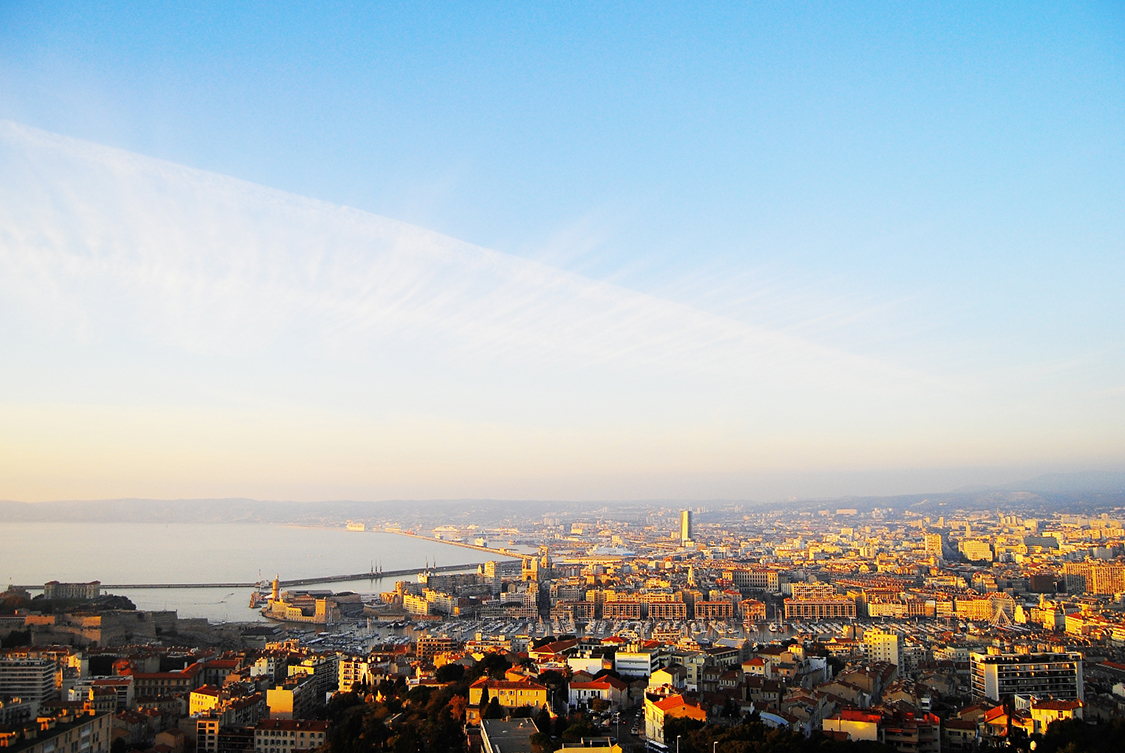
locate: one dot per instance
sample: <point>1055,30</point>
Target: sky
<point>558,251</point>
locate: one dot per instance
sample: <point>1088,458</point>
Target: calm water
<point>33,553</point>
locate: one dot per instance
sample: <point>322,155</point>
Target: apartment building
<point>820,608</point>
<point>714,610</point>
<point>288,735</point>
<point>1000,676</point>
<point>84,732</point>
<point>30,679</point>
<point>883,645</point>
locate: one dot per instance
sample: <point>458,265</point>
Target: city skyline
<point>562,378</point>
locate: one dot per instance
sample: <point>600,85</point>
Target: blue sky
<point>752,251</point>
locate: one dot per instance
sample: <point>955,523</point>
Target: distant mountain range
<point>1087,481</point>
<point>1085,492</point>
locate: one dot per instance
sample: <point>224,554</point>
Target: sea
<point>149,553</point>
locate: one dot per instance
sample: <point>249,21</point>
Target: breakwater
<point>369,575</point>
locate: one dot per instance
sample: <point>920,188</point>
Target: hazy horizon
<point>1071,483</point>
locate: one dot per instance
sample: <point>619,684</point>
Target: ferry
<point>360,526</point>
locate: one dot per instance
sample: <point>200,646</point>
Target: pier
<point>372,575</point>
<point>501,552</point>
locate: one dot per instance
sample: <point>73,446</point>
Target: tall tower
<point>685,526</point>
<point>492,574</point>
<point>933,544</point>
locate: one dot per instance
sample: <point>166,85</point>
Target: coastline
<point>209,553</point>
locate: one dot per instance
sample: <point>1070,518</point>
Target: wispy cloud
<point>210,262</point>
<point>312,346</point>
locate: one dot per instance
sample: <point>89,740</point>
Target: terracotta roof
<point>602,684</point>
<point>556,647</point>
<point>1053,705</point>
<point>673,702</point>
<point>487,682</point>
<point>963,724</point>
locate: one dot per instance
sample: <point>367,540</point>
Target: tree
<point>1074,735</point>
<point>555,683</point>
<point>457,706</point>
<point>754,737</point>
<point>406,740</point>
<point>677,726</point>
<point>450,673</point>
<point>341,702</point>
<point>579,726</point>
<point>419,695</point>
<point>541,743</point>
<point>495,665</point>
<point>13,599</point>
<point>483,699</point>
<point>493,710</point>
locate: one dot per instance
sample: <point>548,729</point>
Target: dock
<point>499,551</point>
<point>371,575</point>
